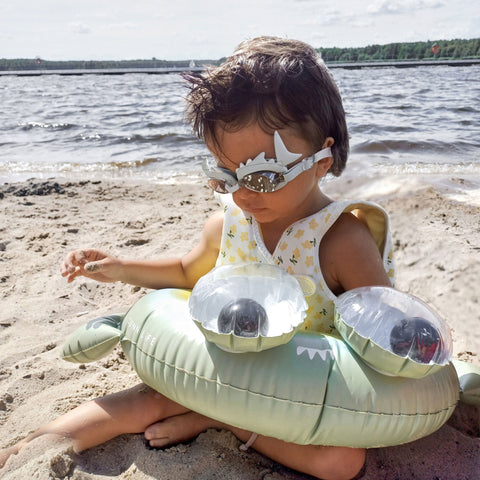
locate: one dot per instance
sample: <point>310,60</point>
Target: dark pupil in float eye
<point>244,316</point>
<point>416,338</point>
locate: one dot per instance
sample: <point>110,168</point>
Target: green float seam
<point>286,400</point>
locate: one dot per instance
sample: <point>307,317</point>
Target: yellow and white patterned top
<point>297,252</point>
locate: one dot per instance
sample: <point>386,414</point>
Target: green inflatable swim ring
<point>314,389</point>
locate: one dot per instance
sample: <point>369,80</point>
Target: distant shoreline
<point>168,70</point>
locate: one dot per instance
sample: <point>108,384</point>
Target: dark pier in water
<point>167,70</point>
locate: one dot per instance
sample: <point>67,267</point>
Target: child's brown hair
<point>277,83</point>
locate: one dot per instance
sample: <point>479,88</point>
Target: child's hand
<point>91,263</point>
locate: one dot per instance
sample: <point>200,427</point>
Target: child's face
<point>288,204</point>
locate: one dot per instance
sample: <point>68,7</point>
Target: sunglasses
<point>261,174</point>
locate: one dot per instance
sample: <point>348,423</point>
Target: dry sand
<point>437,251</point>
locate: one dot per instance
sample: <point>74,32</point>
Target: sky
<point>211,29</point>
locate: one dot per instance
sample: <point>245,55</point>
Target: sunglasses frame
<point>265,167</point>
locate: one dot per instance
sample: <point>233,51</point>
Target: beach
<point>436,234</point>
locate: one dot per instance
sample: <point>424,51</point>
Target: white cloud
<point>78,27</point>
<point>402,6</point>
<point>121,26</point>
<point>186,29</point>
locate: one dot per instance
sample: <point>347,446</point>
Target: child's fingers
<point>75,259</point>
<point>81,257</point>
<point>68,266</point>
<point>71,276</point>
<point>93,267</point>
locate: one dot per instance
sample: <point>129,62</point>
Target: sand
<point>437,251</point>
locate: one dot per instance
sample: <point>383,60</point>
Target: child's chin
<point>262,215</point>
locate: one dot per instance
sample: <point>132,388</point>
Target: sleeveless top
<point>297,251</point>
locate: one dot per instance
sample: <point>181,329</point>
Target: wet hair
<point>277,83</point>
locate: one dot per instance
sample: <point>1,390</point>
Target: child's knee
<point>341,463</point>
<point>148,406</point>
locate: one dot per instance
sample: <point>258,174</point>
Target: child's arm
<point>350,258</point>
<point>170,272</point>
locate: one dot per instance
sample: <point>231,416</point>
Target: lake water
<point>424,119</point>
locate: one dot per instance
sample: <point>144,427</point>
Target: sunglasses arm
<point>306,164</point>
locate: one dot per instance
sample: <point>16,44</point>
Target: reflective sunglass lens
<point>263,182</point>
<point>218,186</point>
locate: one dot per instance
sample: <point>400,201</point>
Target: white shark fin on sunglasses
<point>278,164</point>
<point>284,157</point>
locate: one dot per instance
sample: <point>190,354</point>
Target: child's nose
<point>246,192</point>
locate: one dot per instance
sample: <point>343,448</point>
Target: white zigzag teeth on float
<point>315,351</point>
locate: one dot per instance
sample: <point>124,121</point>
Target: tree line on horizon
<point>429,50</point>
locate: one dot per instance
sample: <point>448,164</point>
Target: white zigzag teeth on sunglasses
<point>260,158</point>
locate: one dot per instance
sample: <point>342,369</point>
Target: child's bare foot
<point>46,439</point>
<point>6,453</point>
<point>179,428</point>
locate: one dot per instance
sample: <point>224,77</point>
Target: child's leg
<point>328,463</point>
<point>95,422</point>
<point>319,461</point>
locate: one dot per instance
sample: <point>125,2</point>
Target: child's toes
<point>179,428</point>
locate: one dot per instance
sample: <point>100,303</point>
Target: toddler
<point>272,118</point>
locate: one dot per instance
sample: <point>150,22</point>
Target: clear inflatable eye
<point>271,309</point>
<point>394,332</point>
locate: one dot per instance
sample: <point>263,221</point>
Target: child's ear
<point>324,165</point>
<point>329,141</point>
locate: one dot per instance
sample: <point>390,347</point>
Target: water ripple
<point>133,124</point>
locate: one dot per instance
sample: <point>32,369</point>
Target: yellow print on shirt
<point>319,299</point>
<point>321,313</point>
<point>313,224</point>
<point>241,254</point>
<point>390,257</point>
<point>295,256</point>
<point>232,231</point>
<point>307,325</point>
<point>308,244</point>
